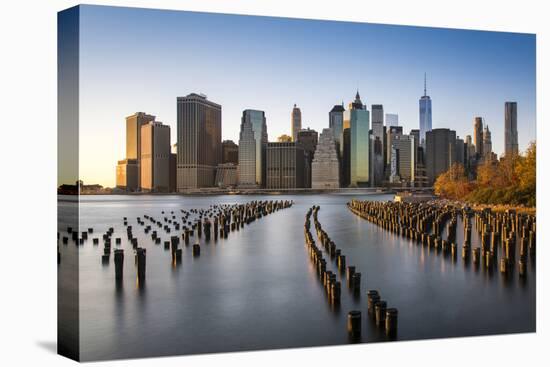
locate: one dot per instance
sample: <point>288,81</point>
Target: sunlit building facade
<point>358,118</point>
<point>325,168</point>
<point>155,157</point>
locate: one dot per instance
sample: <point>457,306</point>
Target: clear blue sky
<point>141,60</point>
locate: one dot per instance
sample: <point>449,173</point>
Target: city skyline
<point>461,86</point>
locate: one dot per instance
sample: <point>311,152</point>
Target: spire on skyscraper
<point>424,84</point>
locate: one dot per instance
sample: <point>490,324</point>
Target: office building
<point>392,119</point>
<point>358,119</point>
<point>346,158</point>
<point>336,123</point>
<point>425,113</point>
<point>226,175</point>
<point>296,122</point>
<point>127,175</point>
<point>460,151</point>
<point>403,159</point>
<point>511,128</point>
<point>487,143</point>
<point>155,157</point>
<point>285,165</point>
<point>173,179</point>
<point>199,141</point>
<point>230,152</point>
<point>325,168</point>
<point>308,139</point>
<point>478,136</point>
<point>391,132</point>
<point>252,145</point>
<point>440,152</point>
<point>133,137</point>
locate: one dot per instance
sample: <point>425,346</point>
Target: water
<point>257,289</point>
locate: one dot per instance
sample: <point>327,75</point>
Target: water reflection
<point>258,288</point>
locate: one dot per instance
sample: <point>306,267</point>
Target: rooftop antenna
<point>424,84</point>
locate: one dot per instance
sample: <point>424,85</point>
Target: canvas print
<point>235,183</point>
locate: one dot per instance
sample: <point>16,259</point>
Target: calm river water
<point>257,289</point>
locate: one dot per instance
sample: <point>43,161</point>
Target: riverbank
<point>218,191</point>
<point>498,208</point>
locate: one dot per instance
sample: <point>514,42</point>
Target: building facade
<point>308,138</point>
<point>226,175</point>
<point>404,149</point>
<point>285,166</point>
<point>325,168</point>
<point>336,123</point>
<point>392,119</point>
<point>358,119</point>
<point>478,136</point>
<point>511,128</point>
<point>295,122</point>
<point>230,152</point>
<point>133,136</point>
<point>440,152</point>
<point>487,143</point>
<point>155,157</point>
<point>252,146</point>
<point>127,175</point>
<point>199,141</point>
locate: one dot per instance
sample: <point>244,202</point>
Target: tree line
<point>508,181</point>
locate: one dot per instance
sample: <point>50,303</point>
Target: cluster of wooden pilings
<point>213,222</point>
<point>435,226</point>
<point>376,307</point>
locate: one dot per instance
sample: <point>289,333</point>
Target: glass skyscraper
<point>252,145</point>
<point>358,118</point>
<point>336,123</point>
<point>425,109</point>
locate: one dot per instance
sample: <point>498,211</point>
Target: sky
<point>141,60</point>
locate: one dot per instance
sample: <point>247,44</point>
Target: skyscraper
<point>487,143</point>
<point>346,157</point>
<point>285,163</point>
<point>378,121</point>
<point>440,152</point>
<point>392,119</point>
<point>199,141</point>
<point>425,109</point>
<point>252,145</point>
<point>325,168</point>
<point>403,148</point>
<point>358,118</point>
<point>133,137</point>
<point>308,139</point>
<point>391,132</point>
<point>377,150</point>
<point>478,136</point>
<point>336,123</point>
<point>296,122</point>
<point>511,128</point>
<point>155,157</point>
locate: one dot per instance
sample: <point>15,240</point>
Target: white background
<point>28,179</point>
